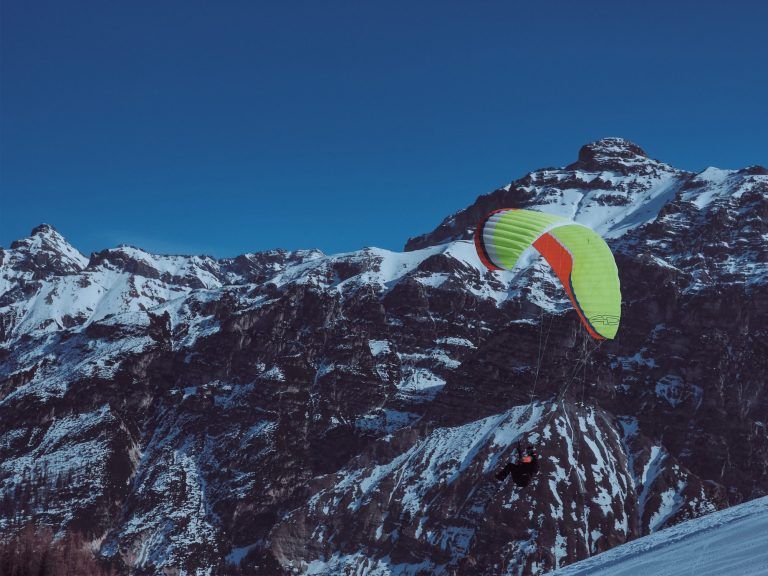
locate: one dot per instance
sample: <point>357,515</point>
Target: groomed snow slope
<point>733,542</point>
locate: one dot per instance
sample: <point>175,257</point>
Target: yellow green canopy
<point>577,254</point>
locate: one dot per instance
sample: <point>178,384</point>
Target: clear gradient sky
<point>227,127</point>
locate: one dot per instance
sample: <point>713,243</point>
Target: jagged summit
<point>42,229</point>
<point>614,154</point>
<point>610,149</point>
<point>612,146</point>
<point>755,170</point>
<point>45,252</point>
<point>611,178</point>
<point>42,233</point>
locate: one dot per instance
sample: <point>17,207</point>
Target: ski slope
<point>733,542</point>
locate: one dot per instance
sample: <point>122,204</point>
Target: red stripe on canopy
<point>561,262</point>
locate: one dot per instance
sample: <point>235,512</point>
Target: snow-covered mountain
<point>296,412</point>
<point>731,541</point>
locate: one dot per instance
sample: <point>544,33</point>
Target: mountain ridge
<point>190,414</point>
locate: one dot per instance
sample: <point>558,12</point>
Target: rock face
<point>614,154</point>
<point>294,412</point>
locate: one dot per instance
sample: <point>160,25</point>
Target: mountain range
<point>296,412</point>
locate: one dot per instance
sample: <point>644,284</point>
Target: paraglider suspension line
<point>586,354</point>
<point>542,351</point>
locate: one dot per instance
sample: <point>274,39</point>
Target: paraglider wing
<point>580,258</point>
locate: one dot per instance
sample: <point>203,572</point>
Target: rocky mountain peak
<point>41,235</point>
<point>43,229</point>
<point>45,252</point>
<point>610,154</point>
<point>611,146</point>
<point>755,170</point>
<point>178,270</point>
<point>611,179</point>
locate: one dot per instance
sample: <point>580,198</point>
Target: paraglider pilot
<point>523,469</point>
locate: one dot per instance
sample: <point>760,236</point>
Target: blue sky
<point>226,127</point>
